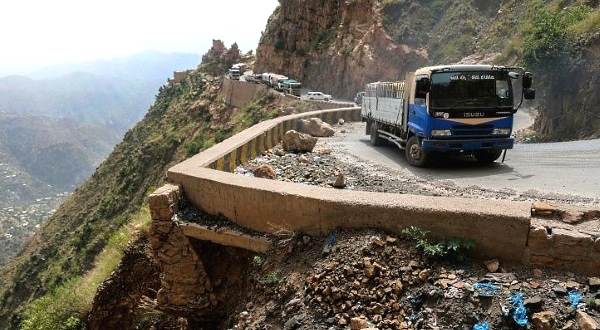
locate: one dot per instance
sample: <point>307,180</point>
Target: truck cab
<point>234,74</point>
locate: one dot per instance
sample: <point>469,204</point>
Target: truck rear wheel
<point>375,139</point>
<point>414,154</point>
<point>487,156</point>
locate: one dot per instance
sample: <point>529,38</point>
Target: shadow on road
<point>447,166</point>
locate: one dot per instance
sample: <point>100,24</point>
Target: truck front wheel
<point>414,154</point>
<point>487,156</point>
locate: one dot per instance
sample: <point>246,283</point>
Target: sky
<point>40,33</point>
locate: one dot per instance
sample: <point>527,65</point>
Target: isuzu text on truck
<point>466,109</point>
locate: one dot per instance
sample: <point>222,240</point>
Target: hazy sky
<point>37,33</point>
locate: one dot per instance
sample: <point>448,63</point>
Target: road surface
<point>565,168</point>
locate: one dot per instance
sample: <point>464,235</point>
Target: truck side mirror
<point>529,93</point>
<point>527,80</point>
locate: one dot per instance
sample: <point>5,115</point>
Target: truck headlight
<point>501,131</point>
<point>441,132</point>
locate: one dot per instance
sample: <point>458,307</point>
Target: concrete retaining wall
<point>252,142</point>
<point>501,229</point>
<point>268,206</point>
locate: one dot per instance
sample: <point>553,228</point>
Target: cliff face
<point>333,46</point>
<point>339,46</point>
<point>569,98</point>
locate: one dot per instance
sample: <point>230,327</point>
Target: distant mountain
<point>115,93</point>
<point>59,124</point>
<point>147,65</point>
<point>59,152</point>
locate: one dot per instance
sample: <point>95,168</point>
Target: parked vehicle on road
<point>234,73</point>
<point>290,86</point>
<point>273,79</point>
<point>465,109</point>
<point>318,96</point>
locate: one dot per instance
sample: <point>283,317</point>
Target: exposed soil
<point>369,279</point>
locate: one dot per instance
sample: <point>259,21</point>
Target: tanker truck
<point>447,109</point>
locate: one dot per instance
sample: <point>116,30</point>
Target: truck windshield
<point>467,89</point>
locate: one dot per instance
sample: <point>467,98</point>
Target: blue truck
<point>458,109</point>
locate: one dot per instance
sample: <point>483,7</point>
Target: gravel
<point>329,158</point>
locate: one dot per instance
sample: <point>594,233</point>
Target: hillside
<point>333,46</point>
<point>59,124</point>
<point>185,118</point>
<point>42,160</point>
<point>340,46</point>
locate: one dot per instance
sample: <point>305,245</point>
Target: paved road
<point>566,168</point>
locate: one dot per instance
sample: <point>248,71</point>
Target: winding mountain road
<point>565,168</point>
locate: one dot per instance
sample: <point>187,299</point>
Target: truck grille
<point>467,130</point>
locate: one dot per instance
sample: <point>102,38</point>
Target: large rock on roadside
<point>316,127</point>
<point>298,142</point>
<point>264,171</point>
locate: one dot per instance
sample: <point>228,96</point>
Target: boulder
<point>316,127</point>
<point>294,141</point>
<point>264,171</point>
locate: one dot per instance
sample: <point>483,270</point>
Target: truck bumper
<point>467,145</point>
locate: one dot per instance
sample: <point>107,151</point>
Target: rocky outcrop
<point>338,46</point>
<point>569,98</point>
<point>333,46</point>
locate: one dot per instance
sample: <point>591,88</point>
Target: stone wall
<point>562,246</point>
<point>238,93</point>
<point>185,285</point>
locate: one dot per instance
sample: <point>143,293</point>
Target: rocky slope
<point>338,46</point>
<point>333,46</point>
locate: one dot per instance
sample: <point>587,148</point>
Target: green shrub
<point>221,134</point>
<point>58,310</point>
<point>453,249</point>
<point>271,279</point>
<point>258,261</point>
<point>549,36</point>
<point>194,146</point>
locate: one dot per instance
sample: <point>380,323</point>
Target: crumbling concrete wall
<point>562,246</point>
<point>266,205</point>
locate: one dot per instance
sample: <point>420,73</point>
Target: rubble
<point>369,280</point>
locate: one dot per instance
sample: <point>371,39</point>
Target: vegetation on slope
<point>68,244</point>
<point>54,278</point>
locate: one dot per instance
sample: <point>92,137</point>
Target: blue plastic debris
<point>481,326</point>
<point>330,242</point>
<point>520,313</point>
<point>486,289</point>
<point>574,298</point>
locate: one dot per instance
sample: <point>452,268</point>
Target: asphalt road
<point>565,168</point>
